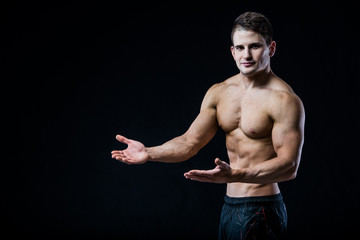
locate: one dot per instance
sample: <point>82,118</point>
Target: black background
<point>76,74</point>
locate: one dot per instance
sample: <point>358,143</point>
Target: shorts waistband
<point>258,200</point>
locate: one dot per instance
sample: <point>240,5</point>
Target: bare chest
<point>246,112</point>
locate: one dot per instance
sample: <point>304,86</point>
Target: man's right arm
<point>181,148</point>
<point>178,149</point>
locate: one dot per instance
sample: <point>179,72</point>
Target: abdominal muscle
<point>245,152</point>
<point>251,189</point>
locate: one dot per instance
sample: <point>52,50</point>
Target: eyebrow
<point>251,44</point>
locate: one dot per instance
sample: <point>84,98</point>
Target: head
<point>252,43</point>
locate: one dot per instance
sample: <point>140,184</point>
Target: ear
<point>232,49</point>
<point>272,48</point>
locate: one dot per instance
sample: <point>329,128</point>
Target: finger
<point>122,139</point>
<point>115,152</point>
<point>118,155</point>
<point>194,172</point>
<point>201,173</point>
<point>123,159</point>
<point>199,179</point>
<point>220,163</point>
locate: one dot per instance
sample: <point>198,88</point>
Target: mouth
<point>247,64</point>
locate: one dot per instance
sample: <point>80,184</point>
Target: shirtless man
<point>264,124</point>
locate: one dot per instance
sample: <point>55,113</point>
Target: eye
<point>239,47</point>
<point>255,46</point>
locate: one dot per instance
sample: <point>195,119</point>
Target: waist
<point>258,200</point>
<point>251,189</point>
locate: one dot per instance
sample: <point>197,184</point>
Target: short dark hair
<point>255,22</point>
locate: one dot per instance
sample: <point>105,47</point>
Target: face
<point>251,53</point>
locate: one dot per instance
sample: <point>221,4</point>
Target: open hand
<point>220,174</point>
<point>135,153</point>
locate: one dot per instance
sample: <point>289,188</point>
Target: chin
<point>248,72</point>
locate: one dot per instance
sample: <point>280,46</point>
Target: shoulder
<point>281,100</point>
<point>220,88</point>
<point>216,91</point>
<point>282,94</point>
<point>284,103</point>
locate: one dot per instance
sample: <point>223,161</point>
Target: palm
<point>220,174</point>
<point>135,153</point>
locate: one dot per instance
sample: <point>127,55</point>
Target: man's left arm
<point>287,112</point>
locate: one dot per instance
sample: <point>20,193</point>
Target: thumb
<point>218,161</point>
<point>222,164</point>
<point>122,139</point>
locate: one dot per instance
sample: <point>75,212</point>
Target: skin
<point>261,115</point>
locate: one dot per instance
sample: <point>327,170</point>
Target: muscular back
<point>245,115</point>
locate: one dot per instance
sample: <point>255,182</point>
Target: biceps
<point>203,129</point>
<point>288,129</point>
<point>288,142</point>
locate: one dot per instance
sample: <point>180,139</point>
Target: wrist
<point>150,154</point>
<point>237,175</point>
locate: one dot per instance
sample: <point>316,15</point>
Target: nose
<point>247,54</point>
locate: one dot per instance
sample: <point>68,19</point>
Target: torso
<point>243,115</point>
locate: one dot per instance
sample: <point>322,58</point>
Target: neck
<point>257,79</point>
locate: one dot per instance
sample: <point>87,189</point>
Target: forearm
<point>271,171</point>
<point>178,149</point>
<point>181,148</point>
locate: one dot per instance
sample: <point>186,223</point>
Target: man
<point>264,124</point>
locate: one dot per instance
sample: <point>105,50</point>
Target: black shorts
<point>262,217</point>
